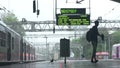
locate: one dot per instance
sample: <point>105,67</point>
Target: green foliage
<point>11,20</point>
<point>76,40</point>
<point>76,51</point>
<point>115,37</point>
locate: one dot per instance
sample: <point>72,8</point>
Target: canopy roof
<point>116,1</point>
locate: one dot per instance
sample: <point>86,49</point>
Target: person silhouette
<point>51,60</point>
<point>94,40</point>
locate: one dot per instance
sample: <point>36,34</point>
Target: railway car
<point>32,53</point>
<point>14,48</point>
<point>116,51</point>
<point>13,45</point>
<point>27,51</point>
<point>3,46</point>
<point>102,55</point>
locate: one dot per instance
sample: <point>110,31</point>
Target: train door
<point>117,52</point>
<point>21,50</point>
<point>9,46</point>
<point>24,50</point>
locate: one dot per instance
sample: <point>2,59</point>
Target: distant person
<point>83,57</point>
<point>51,60</point>
<point>94,40</point>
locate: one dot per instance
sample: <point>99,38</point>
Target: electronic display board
<point>73,11</point>
<point>66,19</point>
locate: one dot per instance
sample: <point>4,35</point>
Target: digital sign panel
<point>66,19</point>
<point>73,11</point>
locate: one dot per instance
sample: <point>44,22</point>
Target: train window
<point>0,42</point>
<point>3,43</point>
<point>114,50</point>
<point>3,35</point>
<point>0,35</point>
<point>2,38</point>
<point>12,43</point>
<point>9,40</point>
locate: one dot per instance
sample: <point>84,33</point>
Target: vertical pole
<point>37,9</point>
<point>75,33</point>
<point>90,7</point>
<point>55,7</point>
<point>46,47</point>
<point>37,4</point>
<point>54,16</point>
<point>109,46</point>
<point>105,46</point>
<point>66,1</point>
<point>65,60</point>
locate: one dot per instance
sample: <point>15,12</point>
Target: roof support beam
<point>116,1</point>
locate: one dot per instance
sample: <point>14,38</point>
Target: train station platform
<point>69,64</point>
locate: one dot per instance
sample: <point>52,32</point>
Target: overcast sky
<point>23,8</point>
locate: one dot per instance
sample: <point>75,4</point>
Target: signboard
<point>73,19</point>
<point>73,11</point>
<point>64,47</point>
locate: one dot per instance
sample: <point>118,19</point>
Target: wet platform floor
<point>69,64</point>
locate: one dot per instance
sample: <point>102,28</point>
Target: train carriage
<point>14,48</point>
<point>32,53</point>
<point>28,51</point>
<point>24,50</point>
<point>13,45</point>
<point>116,51</point>
<point>3,46</point>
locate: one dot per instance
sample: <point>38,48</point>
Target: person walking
<point>94,40</point>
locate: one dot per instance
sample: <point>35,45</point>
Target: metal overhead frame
<point>41,26</point>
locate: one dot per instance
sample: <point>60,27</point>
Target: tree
<point>115,38</point>
<point>11,20</point>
